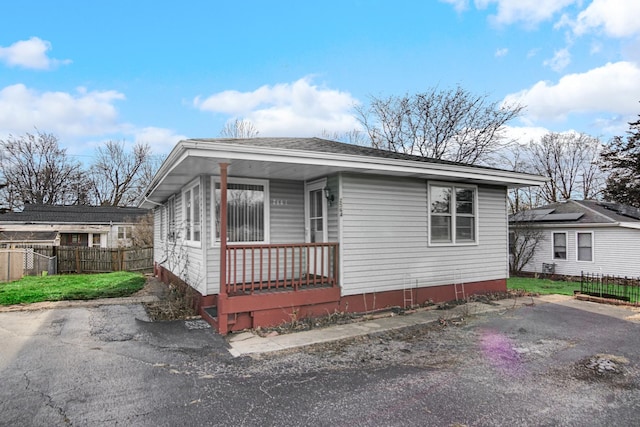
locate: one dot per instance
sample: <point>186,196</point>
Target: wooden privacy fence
<point>73,259</point>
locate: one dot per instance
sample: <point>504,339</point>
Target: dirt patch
<point>173,303</point>
<point>606,368</point>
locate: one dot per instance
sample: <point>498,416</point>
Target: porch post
<point>222,296</point>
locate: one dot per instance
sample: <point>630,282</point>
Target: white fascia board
<point>633,225</point>
<point>243,152</point>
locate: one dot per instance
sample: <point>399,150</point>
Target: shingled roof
<point>28,236</point>
<point>35,213</point>
<point>580,212</point>
<point>320,145</point>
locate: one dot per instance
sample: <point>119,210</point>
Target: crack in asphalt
<point>48,400</point>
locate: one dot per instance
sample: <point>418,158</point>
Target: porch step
<point>212,311</point>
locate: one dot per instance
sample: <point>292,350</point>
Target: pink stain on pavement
<point>499,351</point>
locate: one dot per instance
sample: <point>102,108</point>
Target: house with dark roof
<point>93,226</point>
<point>584,236</point>
<point>267,230</point>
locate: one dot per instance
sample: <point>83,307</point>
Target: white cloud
<point>612,88</point>
<point>64,114</point>
<point>458,5</point>
<point>616,18</point>
<point>529,12</point>
<point>161,140</point>
<point>524,134</point>
<point>561,59</point>
<point>293,109</point>
<point>30,53</point>
<point>501,52</point>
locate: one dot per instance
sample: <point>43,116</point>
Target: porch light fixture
<point>328,195</point>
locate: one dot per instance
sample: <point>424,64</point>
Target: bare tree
<point>116,173</point>
<point>515,157</point>
<point>142,231</point>
<point>570,160</point>
<point>35,169</point>
<point>148,171</point>
<point>524,240</point>
<point>239,128</point>
<point>355,137</point>
<point>452,125</point>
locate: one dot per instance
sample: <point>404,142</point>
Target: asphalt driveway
<point>571,363</point>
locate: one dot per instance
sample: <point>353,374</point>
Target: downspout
<point>223,318</point>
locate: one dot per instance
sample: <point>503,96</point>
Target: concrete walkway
<point>249,343</point>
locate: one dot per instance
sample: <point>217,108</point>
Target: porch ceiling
<point>191,167</point>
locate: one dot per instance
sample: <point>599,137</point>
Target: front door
<point>316,226</point>
<point>316,212</point>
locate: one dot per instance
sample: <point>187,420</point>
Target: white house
<point>267,229</point>
<point>52,225</point>
<point>584,236</point>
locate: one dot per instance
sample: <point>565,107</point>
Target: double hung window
<point>585,246</point>
<point>191,198</point>
<point>171,218</point>
<point>452,214</point>
<point>560,245</point>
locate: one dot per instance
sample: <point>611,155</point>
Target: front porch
<point>267,284</point>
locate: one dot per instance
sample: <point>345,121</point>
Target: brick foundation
<point>278,308</point>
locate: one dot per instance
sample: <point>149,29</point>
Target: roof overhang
<point>191,158</point>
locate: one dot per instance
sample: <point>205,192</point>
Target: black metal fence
<point>614,287</point>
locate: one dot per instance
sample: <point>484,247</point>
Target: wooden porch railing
<point>261,268</point>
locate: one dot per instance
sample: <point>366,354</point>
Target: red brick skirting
<point>252,311</point>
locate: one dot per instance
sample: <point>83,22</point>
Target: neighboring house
<point>312,226</point>
<point>92,226</point>
<point>584,235</point>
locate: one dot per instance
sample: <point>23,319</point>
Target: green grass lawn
<point>31,289</point>
<point>542,286</point>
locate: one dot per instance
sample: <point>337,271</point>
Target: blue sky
<point>158,72</point>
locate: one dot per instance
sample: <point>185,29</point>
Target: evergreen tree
<point>622,159</point>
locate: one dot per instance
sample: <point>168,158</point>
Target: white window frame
<point>578,247</point>
<point>553,246</point>
<point>187,227</point>
<point>171,219</point>
<point>452,214</point>
<point>215,241</point>
<point>126,232</point>
<point>161,212</point>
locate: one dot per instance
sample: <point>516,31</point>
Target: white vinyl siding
<point>385,237</point>
<point>158,248</point>
<point>616,251</point>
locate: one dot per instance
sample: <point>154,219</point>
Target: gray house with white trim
<point>268,229</point>
<point>584,235</point>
